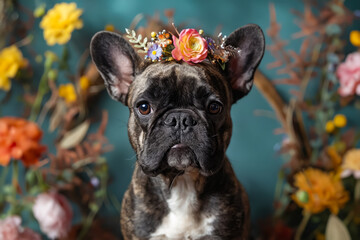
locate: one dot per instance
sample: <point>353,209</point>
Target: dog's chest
<point>183,220</point>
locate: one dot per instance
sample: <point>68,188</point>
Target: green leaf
<point>336,230</point>
<point>57,115</point>
<point>75,136</point>
<point>9,190</point>
<point>30,177</point>
<point>94,207</point>
<point>68,175</point>
<point>333,29</point>
<point>100,193</point>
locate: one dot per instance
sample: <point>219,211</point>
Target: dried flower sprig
<point>136,40</point>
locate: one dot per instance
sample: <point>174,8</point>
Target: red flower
<point>190,47</point>
<point>19,139</point>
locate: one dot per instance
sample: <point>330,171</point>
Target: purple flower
<point>154,52</point>
<point>95,181</point>
<point>210,43</point>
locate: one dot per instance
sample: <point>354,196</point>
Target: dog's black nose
<point>180,120</point>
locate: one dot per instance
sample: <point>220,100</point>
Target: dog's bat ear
<point>250,42</point>
<point>116,61</point>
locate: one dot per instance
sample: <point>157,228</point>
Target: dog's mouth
<point>180,156</point>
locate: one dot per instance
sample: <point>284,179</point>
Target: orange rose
<point>190,47</point>
<point>19,139</point>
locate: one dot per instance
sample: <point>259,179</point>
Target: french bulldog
<point>183,185</point>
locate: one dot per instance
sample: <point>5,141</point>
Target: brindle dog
<point>183,185</point>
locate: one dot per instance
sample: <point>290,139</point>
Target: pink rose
<point>190,47</point>
<point>348,73</point>
<point>53,213</point>
<point>10,229</point>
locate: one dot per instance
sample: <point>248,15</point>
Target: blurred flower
<point>348,73</point>
<point>324,190</point>
<point>154,52</point>
<point>19,139</point>
<point>59,22</point>
<point>334,156</point>
<point>11,60</point>
<point>351,164</point>
<point>330,126</point>
<point>84,82</point>
<point>95,181</point>
<point>10,229</point>
<point>68,92</point>
<point>355,38</point>
<point>110,28</point>
<point>340,120</point>
<point>54,214</point>
<point>190,47</point>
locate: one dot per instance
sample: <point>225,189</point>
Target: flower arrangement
<point>318,190</point>
<point>37,185</point>
<point>189,47</point>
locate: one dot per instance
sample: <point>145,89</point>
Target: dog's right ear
<point>116,61</point>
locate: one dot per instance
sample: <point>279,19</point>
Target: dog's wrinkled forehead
<point>171,83</point>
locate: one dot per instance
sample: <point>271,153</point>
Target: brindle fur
<point>184,91</point>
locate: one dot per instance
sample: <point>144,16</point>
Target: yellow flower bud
<point>355,38</point>
<point>39,11</point>
<point>84,83</point>
<point>153,34</point>
<point>340,120</point>
<point>110,28</point>
<point>330,126</point>
<point>67,92</point>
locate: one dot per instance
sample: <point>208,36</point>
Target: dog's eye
<point>144,108</point>
<point>214,108</point>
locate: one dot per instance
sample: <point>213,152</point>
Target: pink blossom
<point>10,229</point>
<point>54,214</point>
<point>348,73</point>
<point>190,47</point>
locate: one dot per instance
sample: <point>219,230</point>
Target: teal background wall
<point>252,147</point>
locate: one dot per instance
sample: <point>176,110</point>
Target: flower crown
<point>189,46</point>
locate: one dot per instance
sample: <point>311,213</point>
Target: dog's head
<point>179,113</point>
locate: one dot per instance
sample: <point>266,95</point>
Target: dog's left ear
<point>116,61</point>
<point>242,65</point>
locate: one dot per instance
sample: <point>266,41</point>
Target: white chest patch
<point>183,222</point>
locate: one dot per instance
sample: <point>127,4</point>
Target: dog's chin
<point>181,157</point>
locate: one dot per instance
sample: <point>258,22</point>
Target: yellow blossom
<point>68,92</point>
<point>355,38</point>
<point>11,60</point>
<point>351,164</point>
<point>334,156</point>
<point>84,83</point>
<point>340,120</point>
<point>324,190</point>
<point>329,127</point>
<point>110,28</point>
<point>59,22</point>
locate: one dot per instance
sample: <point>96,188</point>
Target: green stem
<point>42,90</point>
<point>89,219</point>
<point>15,177</point>
<point>357,191</point>
<point>302,226</point>
<point>4,173</point>
<point>351,214</point>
